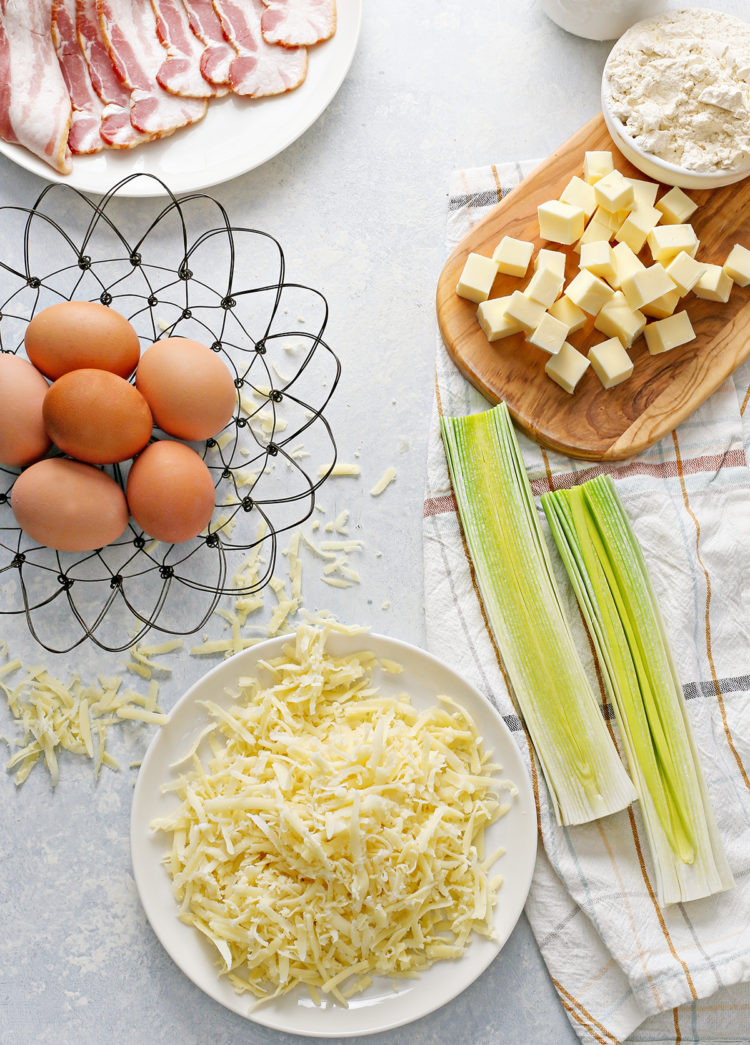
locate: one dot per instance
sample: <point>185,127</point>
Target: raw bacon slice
<point>35,107</point>
<point>84,135</point>
<point>181,72</point>
<point>295,23</point>
<point>260,69</point>
<point>218,53</point>
<point>116,128</point>
<point>129,33</point>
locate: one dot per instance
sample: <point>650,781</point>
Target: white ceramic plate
<point>386,1004</point>
<point>236,135</point>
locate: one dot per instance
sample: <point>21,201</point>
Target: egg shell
<point>96,416</point>
<point>68,506</point>
<point>23,437</point>
<point>75,335</point>
<point>189,388</point>
<point>170,492</point>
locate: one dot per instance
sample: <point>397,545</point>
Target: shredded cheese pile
<point>334,833</point>
<point>53,714</point>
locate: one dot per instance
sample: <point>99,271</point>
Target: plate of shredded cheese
<point>334,834</point>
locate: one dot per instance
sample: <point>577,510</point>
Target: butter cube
<point>545,286</point>
<point>567,367</point>
<point>578,193</point>
<point>610,362</point>
<point>571,315</point>
<point>595,230</point>
<point>551,259</point>
<point>644,192</point>
<point>525,311</point>
<point>618,319</point>
<point>662,306</point>
<point>714,284</point>
<point>588,292</point>
<point>636,227</point>
<point>676,206</point>
<point>626,263</point>
<point>598,258</point>
<point>494,320</point>
<point>737,265</point>
<point>549,334</point>
<point>559,222</point>
<point>477,277</point>
<point>666,242</point>
<point>612,219</point>
<point>669,333</point>
<point>646,285</point>
<point>613,192</point>
<point>513,256</point>
<point>685,271</point>
<point>596,164</point>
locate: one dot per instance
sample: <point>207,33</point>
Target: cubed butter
<point>662,306</point>
<point>626,263</point>
<point>588,292</point>
<point>545,286</point>
<point>610,362</point>
<point>612,219</point>
<point>666,242</point>
<point>666,334</point>
<point>737,265</point>
<point>636,227</point>
<point>685,271</point>
<point>567,367</point>
<point>494,320</point>
<point>571,315</point>
<point>644,192</point>
<point>551,259</point>
<point>618,319</point>
<point>676,206</point>
<point>525,311</point>
<point>646,285</point>
<point>596,164</point>
<point>594,231</point>
<point>714,284</point>
<point>513,256</point>
<point>598,257</point>
<point>560,222</point>
<point>477,277</point>
<point>578,193</point>
<point>613,192</point>
<point>549,334</point>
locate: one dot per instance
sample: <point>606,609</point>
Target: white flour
<point>680,83</point>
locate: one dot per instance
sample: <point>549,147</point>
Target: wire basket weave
<point>183,270</point>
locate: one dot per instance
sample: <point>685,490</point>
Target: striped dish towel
<point>623,967</point>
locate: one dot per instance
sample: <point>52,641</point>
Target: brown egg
<point>74,335</point>
<point>23,438</point>
<point>189,389</point>
<point>68,505</point>
<point>96,416</point>
<point>170,492</point>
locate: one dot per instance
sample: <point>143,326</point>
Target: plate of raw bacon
<point>193,91</point>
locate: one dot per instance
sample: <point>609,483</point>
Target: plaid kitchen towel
<point>624,968</point>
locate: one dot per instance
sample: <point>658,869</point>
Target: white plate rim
<point>410,999</point>
<point>328,65</point>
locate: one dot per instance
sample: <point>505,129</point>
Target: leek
<point>512,563</point>
<point>609,576</point>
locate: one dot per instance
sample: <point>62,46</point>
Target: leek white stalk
<point>609,576</point>
<point>584,774</point>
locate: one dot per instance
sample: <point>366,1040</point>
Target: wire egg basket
<point>172,267</point>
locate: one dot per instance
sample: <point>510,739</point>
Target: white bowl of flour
<point>676,97</point>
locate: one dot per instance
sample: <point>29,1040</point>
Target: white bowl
<point>658,169</point>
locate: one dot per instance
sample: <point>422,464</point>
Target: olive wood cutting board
<point>595,423</point>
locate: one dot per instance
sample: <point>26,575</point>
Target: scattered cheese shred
<point>331,833</point>
<point>340,470</point>
<point>384,482</point>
